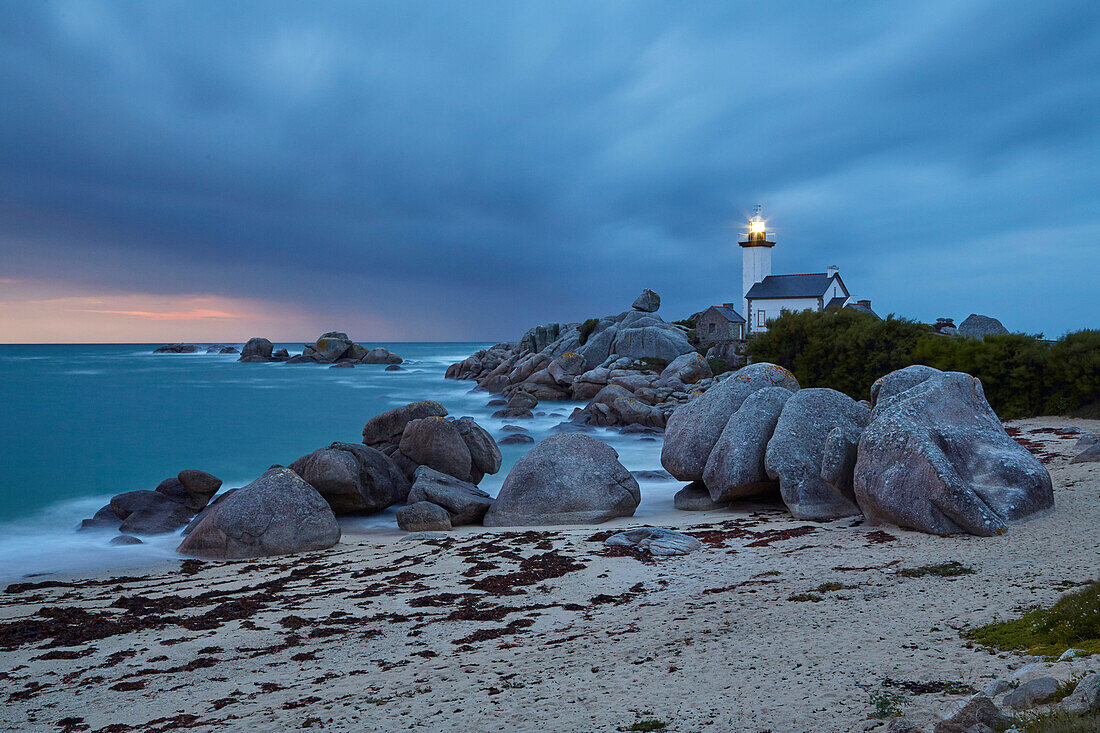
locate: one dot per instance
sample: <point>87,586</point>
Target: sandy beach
<point>549,630</point>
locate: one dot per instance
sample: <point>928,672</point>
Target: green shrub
<point>842,349</point>
<point>887,704</point>
<point>1074,621</point>
<point>718,365</point>
<point>1021,375</point>
<point>586,329</point>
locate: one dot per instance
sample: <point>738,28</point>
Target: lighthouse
<point>756,257</point>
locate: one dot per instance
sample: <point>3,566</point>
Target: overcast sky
<point>462,171</point>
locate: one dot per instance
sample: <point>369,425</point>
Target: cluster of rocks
<point>632,368</point>
<point>333,347</point>
<point>194,349</point>
<point>172,505</point>
<point>979,713</point>
<point>927,453</point>
<point>414,454</point>
<point>973,326</point>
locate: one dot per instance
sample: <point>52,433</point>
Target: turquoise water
<point>80,423</point>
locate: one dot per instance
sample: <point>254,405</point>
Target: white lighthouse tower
<point>756,258</point>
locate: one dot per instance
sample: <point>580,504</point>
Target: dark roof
<point>811,285</point>
<point>835,303</point>
<point>862,308</point>
<point>726,312</point>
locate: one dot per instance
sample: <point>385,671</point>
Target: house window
<point>712,327</point>
<point>760,320</point>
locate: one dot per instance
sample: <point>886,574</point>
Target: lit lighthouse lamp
<point>757,230</point>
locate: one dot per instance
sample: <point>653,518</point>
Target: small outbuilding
<point>720,323</point>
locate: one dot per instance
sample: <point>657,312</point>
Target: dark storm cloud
<point>465,170</point>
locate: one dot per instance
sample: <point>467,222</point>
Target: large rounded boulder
<point>276,514</point>
<point>693,428</point>
<point>735,468</point>
<point>900,380</point>
<point>485,457</point>
<point>795,452</point>
<point>353,478</point>
<point>388,426</point>
<point>936,458</point>
<point>569,478</point>
<point>258,349</point>
<point>435,442</point>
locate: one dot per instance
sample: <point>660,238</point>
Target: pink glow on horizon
<point>34,312</point>
<point>191,315</point>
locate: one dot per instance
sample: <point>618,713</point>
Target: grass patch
<point>1058,721</point>
<point>1073,621</point>
<point>887,704</point>
<point>649,725</point>
<point>802,597</point>
<point>1066,688</point>
<point>829,587</point>
<point>718,365</point>
<point>942,570</point>
<point>586,330</point>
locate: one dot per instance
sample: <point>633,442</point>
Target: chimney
<point>864,303</point>
<point>831,270</point>
<point>729,305</point>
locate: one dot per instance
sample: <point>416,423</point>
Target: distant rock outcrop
<point>976,326</point>
<point>333,348</point>
<point>176,349</point>
<point>575,361</point>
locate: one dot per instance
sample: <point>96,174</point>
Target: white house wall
<point>772,307</point>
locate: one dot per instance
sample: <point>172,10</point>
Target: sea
<point>81,423</point>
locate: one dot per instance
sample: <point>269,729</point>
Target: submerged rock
<point>568,478</point>
<point>176,349</point>
<point>276,514</point>
<point>104,518</point>
<point>125,539</point>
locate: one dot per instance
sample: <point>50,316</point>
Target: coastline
<point>486,628</point>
